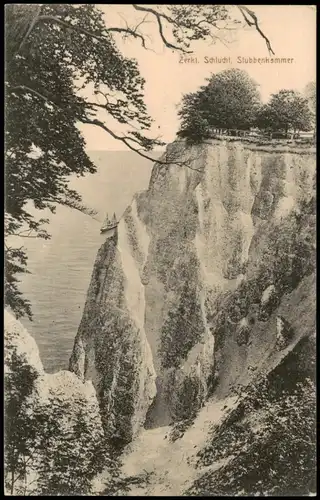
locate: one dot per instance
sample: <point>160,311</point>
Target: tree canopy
<point>287,109</point>
<point>230,100</point>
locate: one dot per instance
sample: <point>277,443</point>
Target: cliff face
<point>180,295</point>
<point>256,441</point>
<point>111,347</point>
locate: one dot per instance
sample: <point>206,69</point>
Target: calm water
<point>61,267</point>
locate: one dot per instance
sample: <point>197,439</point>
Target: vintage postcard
<point>160,250</point>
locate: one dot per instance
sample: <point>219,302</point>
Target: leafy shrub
<point>182,329</point>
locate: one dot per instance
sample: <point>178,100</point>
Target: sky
<point>291,30</point>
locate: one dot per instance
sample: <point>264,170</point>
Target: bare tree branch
<point>159,16</point>
<point>132,32</point>
<point>155,13</point>
<point>124,139</point>
<point>128,31</point>
<point>254,22</point>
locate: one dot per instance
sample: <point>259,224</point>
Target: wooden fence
<point>260,135</point>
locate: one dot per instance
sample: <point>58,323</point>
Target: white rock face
<point>112,335</point>
<point>17,338</point>
<point>64,383</point>
<point>267,294</point>
<point>193,236</point>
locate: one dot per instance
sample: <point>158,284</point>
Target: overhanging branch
<point>125,140</point>
<point>158,17</point>
<point>248,15</point>
<point>75,205</point>
<point>254,22</point>
<point>131,32</point>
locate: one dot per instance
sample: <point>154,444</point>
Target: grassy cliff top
<point>298,146</point>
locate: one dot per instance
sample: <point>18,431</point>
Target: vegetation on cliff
<point>285,109</point>
<point>231,100</point>
<point>53,446</point>
<point>182,328</point>
<point>267,445</point>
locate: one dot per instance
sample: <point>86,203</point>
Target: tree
<point>194,126</point>
<point>43,145</point>
<point>276,457</point>
<point>18,386</point>
<point>287,109</point>
<point>230,100</point>
<point>266,118</point>
<point>56,54</point>
<point>310,93</point>
<point>71,454</point>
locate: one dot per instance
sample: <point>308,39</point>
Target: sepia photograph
<point>160,250</point>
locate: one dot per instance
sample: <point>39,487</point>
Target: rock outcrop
<point>180,296</point>
<point>60,398</point>
<point>63,383</point>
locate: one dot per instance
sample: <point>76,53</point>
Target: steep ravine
<point>180,294</point>
<point>203,461</point>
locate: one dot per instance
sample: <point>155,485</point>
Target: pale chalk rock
<point>62,385</point>
<point>196,234</point>
<point>63,389</point>
<point>17,338</point>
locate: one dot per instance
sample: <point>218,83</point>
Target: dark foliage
<point>230,100</point>
<point>269,439</point>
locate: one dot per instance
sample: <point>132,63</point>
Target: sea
<point>61,268</point>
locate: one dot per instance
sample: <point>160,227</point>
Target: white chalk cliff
<point>183,298</point>
<point>203,294</point>
<point>63,383</point>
